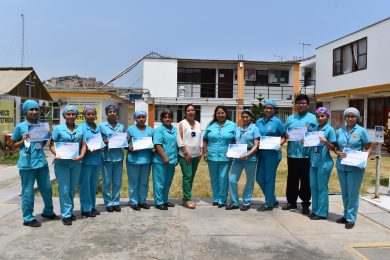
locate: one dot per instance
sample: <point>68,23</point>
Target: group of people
<point>309,168</point>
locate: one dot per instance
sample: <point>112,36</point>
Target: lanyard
<point>348,136</point>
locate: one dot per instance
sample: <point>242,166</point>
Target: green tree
<point>258,109</point>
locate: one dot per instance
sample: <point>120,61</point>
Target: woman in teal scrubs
<point>164,160</point>
<point>67,171</point>
<point>91,166</point>
<point>32,166</point>
<point>216,139</point>
<point>268,160</point>
<point>138,163</point>
<point>354,137</point>
<point>248,134</point>
<point>112,161</point>
<point>321,166</point>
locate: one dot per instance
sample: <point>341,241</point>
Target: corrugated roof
<point>10,78</point>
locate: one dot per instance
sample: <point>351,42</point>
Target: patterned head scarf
<point>353,111</point>
<point>112,106</point>
<point>69,108</point>
<point>29,104</point>
<point>322,110</point>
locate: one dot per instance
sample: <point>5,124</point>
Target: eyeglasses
<point>301,103</point>
<point>350,116</point>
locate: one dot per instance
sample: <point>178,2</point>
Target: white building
<point>173,83</point>
<point>354,71</point>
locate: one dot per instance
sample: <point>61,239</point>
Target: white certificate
<point>38,132</point>
<point>66,150</point>
<point>269,142</point>
<point>355,158</point>
<point>117,140</point>
<point>296,133</point>
<point>313,138</point>
<point>140,143</point>
<point>95,142</point>
<point>237,150</point>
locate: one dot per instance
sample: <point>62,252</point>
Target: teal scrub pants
<point>28,178</point>
<point>112,182</point>
<point>162,180</point>
<point>68,177</point>
<point>266,174</point>
<point>89,178</point>
<point>138,182</point>
<point>235,174</point>
<point>219,179</point>
<point>319,178</point>
<point>350,182</point>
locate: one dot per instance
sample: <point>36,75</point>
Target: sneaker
<point>50,217</point>
<point>144,206</point>
<point>245,207</point>
<point>305,210</point>
<point>265,208</point>
<point>117,208</point>
<point>32,223</point>
<point>289,206</point>
<point>349,224</point>
<point>136,207</point>
<point>110,209</point>
<point>231,206</point>
<point>341,220</point>
<point>67,221</point>
<point>97,212</point>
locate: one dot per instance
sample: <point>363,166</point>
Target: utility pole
<point>303,48</point>
<point>22,47</point>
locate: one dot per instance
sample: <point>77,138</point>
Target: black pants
<point>298,181</point>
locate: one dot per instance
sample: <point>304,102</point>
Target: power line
<point>303,48</point>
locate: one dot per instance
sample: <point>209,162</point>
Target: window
<point>188,75</point>
<point>351,57</point>
<point>278,76</point>
<point>375,110</point>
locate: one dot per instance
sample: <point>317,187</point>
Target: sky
<point>100,38</point>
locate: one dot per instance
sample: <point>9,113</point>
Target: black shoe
<point>67,221</point>
<point>162,207</point>
<point>311,215</point>
<point>110,209</point>
<point>136,207</point>
<point>276,204</point>
<point>245,207</point>
<point>144,206</point>
<point>221,205</point>
<point>341,220</point>
<point>231,206</point>
<point>117,208</point>
<point>315,217</point>
<point>215,203</point>
<point>32,223</point>
<point>88,214</point>
<point>349,225</point>
<point>73,217</point>
<point>305,210</point>
<point>169,205</point>
<point>50,217</point>
<point>289,206</point>
<point>95,211</point>
<point>265,208</point>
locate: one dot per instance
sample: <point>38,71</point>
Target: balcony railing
<point>308,86</point>
<point>214,90</point>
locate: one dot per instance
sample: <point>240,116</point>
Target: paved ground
<point>179,233</point>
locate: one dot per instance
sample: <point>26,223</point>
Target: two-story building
<point>353,70</point>
<point>171,83</point>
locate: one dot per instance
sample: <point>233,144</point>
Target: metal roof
<point>11,77</point>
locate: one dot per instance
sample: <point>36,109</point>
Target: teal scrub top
<point>272,127</point>
<point>295,149</point>
<point>355,139</point>
<point>114,154</point>
<point>142,156</point>
<point>167,139</point>
<point>320,155</point>
<point>61,133</point>
<point>95,157</point>
<point>248,136</point>
<point>29,158</point>
<point>218,139</point>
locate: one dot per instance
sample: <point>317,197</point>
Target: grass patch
<point>9,158</point>
<point>202,188</point>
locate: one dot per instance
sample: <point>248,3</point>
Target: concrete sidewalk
<point>204,233</point>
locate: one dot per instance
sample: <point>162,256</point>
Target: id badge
<point>38,145</point>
